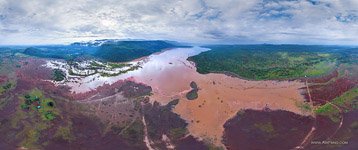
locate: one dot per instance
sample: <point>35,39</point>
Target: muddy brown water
<point>220,96</point>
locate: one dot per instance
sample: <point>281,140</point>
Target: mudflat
<point>220,96</point>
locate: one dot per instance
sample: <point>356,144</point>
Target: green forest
<point>122,51</point>
<point>109,51</point>
<point>261,62</point>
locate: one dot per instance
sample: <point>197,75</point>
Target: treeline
<point>261,62</point>
<point>112,51</point>
<point>59,52</point>
<point>122,51</point>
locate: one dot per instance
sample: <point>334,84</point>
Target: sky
<point>331,22</point>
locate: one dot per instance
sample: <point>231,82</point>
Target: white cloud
<point>197,21</point>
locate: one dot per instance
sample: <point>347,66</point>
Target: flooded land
<point>220,96</point>
<point>179,75</point>
<point>163,101</point>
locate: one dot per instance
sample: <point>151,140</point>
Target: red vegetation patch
<point>322,93</point>
<point>3,79</point>
<point>190,142</point>
<point>326,128</point>
<point>34,75</point>
<point>266,129</point>
<point>88,135</point>
<point>328,87</point>
<point>34,70</point>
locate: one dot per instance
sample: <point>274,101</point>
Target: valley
<point>125,99</point>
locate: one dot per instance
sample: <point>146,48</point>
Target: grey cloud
<point>348,17</point>
<point>197,21</point>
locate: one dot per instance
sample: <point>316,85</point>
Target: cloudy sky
<point>195,21</point>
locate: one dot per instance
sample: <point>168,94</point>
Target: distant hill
<point>120,51</point>
<point>106,50</point>
<point>59,51</point>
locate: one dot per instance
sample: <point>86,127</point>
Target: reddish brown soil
<point>289,129</point>
<point>220,97</point>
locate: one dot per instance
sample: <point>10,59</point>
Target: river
<point>169,73</point>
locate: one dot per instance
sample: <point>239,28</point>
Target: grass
<point>346,98</point>
<point>6,87</point>
<point>326,108</point>
<point>304,107</point>
<point>47,112</point>
<point>95,64</point>
<point>36,102</point>
<point>33,121</point>
<point>32,136</point>
<point>320,68</point>
<point>2,90</point>
<point>347,102</point>
<point>118,65</point>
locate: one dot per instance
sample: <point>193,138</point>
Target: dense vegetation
<point>193,93</point>
<point>128,50</point>
<point>58,75</point>
<point>5,87</point>
<point>113,51</point>
<point>261,62</point>
<point>59,52</point>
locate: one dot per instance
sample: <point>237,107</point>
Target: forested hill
<point>121,51</point>
<point>106,50</point>
<point>67,52</point>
